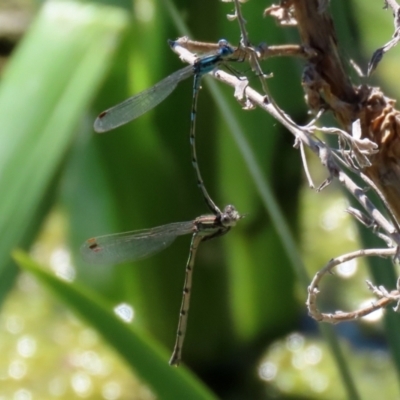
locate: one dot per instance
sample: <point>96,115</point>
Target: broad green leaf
<point>44,93</point>
<point>144,356</point>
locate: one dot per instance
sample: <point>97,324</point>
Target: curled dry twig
<point>340,316</point>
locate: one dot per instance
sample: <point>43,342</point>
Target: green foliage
<point>142,354</point>
<point>81,58</point>
<point>49,81</point>
<point>132,180</point>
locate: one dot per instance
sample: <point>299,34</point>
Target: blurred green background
<point>249,336</point>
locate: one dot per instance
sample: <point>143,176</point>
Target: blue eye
<point>225,49</point>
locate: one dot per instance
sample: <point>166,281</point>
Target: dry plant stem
<point>372,185</point>
<point>263,51</point>
<point>327,83</point>
<point>253,57</point>
<point>242,24</point>
<point>284,50</point>
<point>255,63</point>
<point>396,11</point>
<point>340,316</point>
<point>197,47</point>
<point>317,32</point>
<point>375,214</point>
<point>328,86</point>
<point>305,166</point>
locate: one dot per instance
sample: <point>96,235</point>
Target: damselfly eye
<point>224,48</point>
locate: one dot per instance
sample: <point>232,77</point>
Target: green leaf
<point>44,93</point>
<point>144,356</point>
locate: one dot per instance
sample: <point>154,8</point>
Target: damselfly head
<point>230,216</point>
<point>224,48</point>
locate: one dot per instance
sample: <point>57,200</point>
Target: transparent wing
<point>134,245</point>
<point>139,104</point>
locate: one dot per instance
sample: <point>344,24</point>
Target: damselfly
<point>142,102</point>
<point>136,245</point>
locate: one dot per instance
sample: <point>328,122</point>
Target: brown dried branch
<point>327,85</point>
<point>326,81</point>
<point>263,51</point>
<point>340,316</point>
